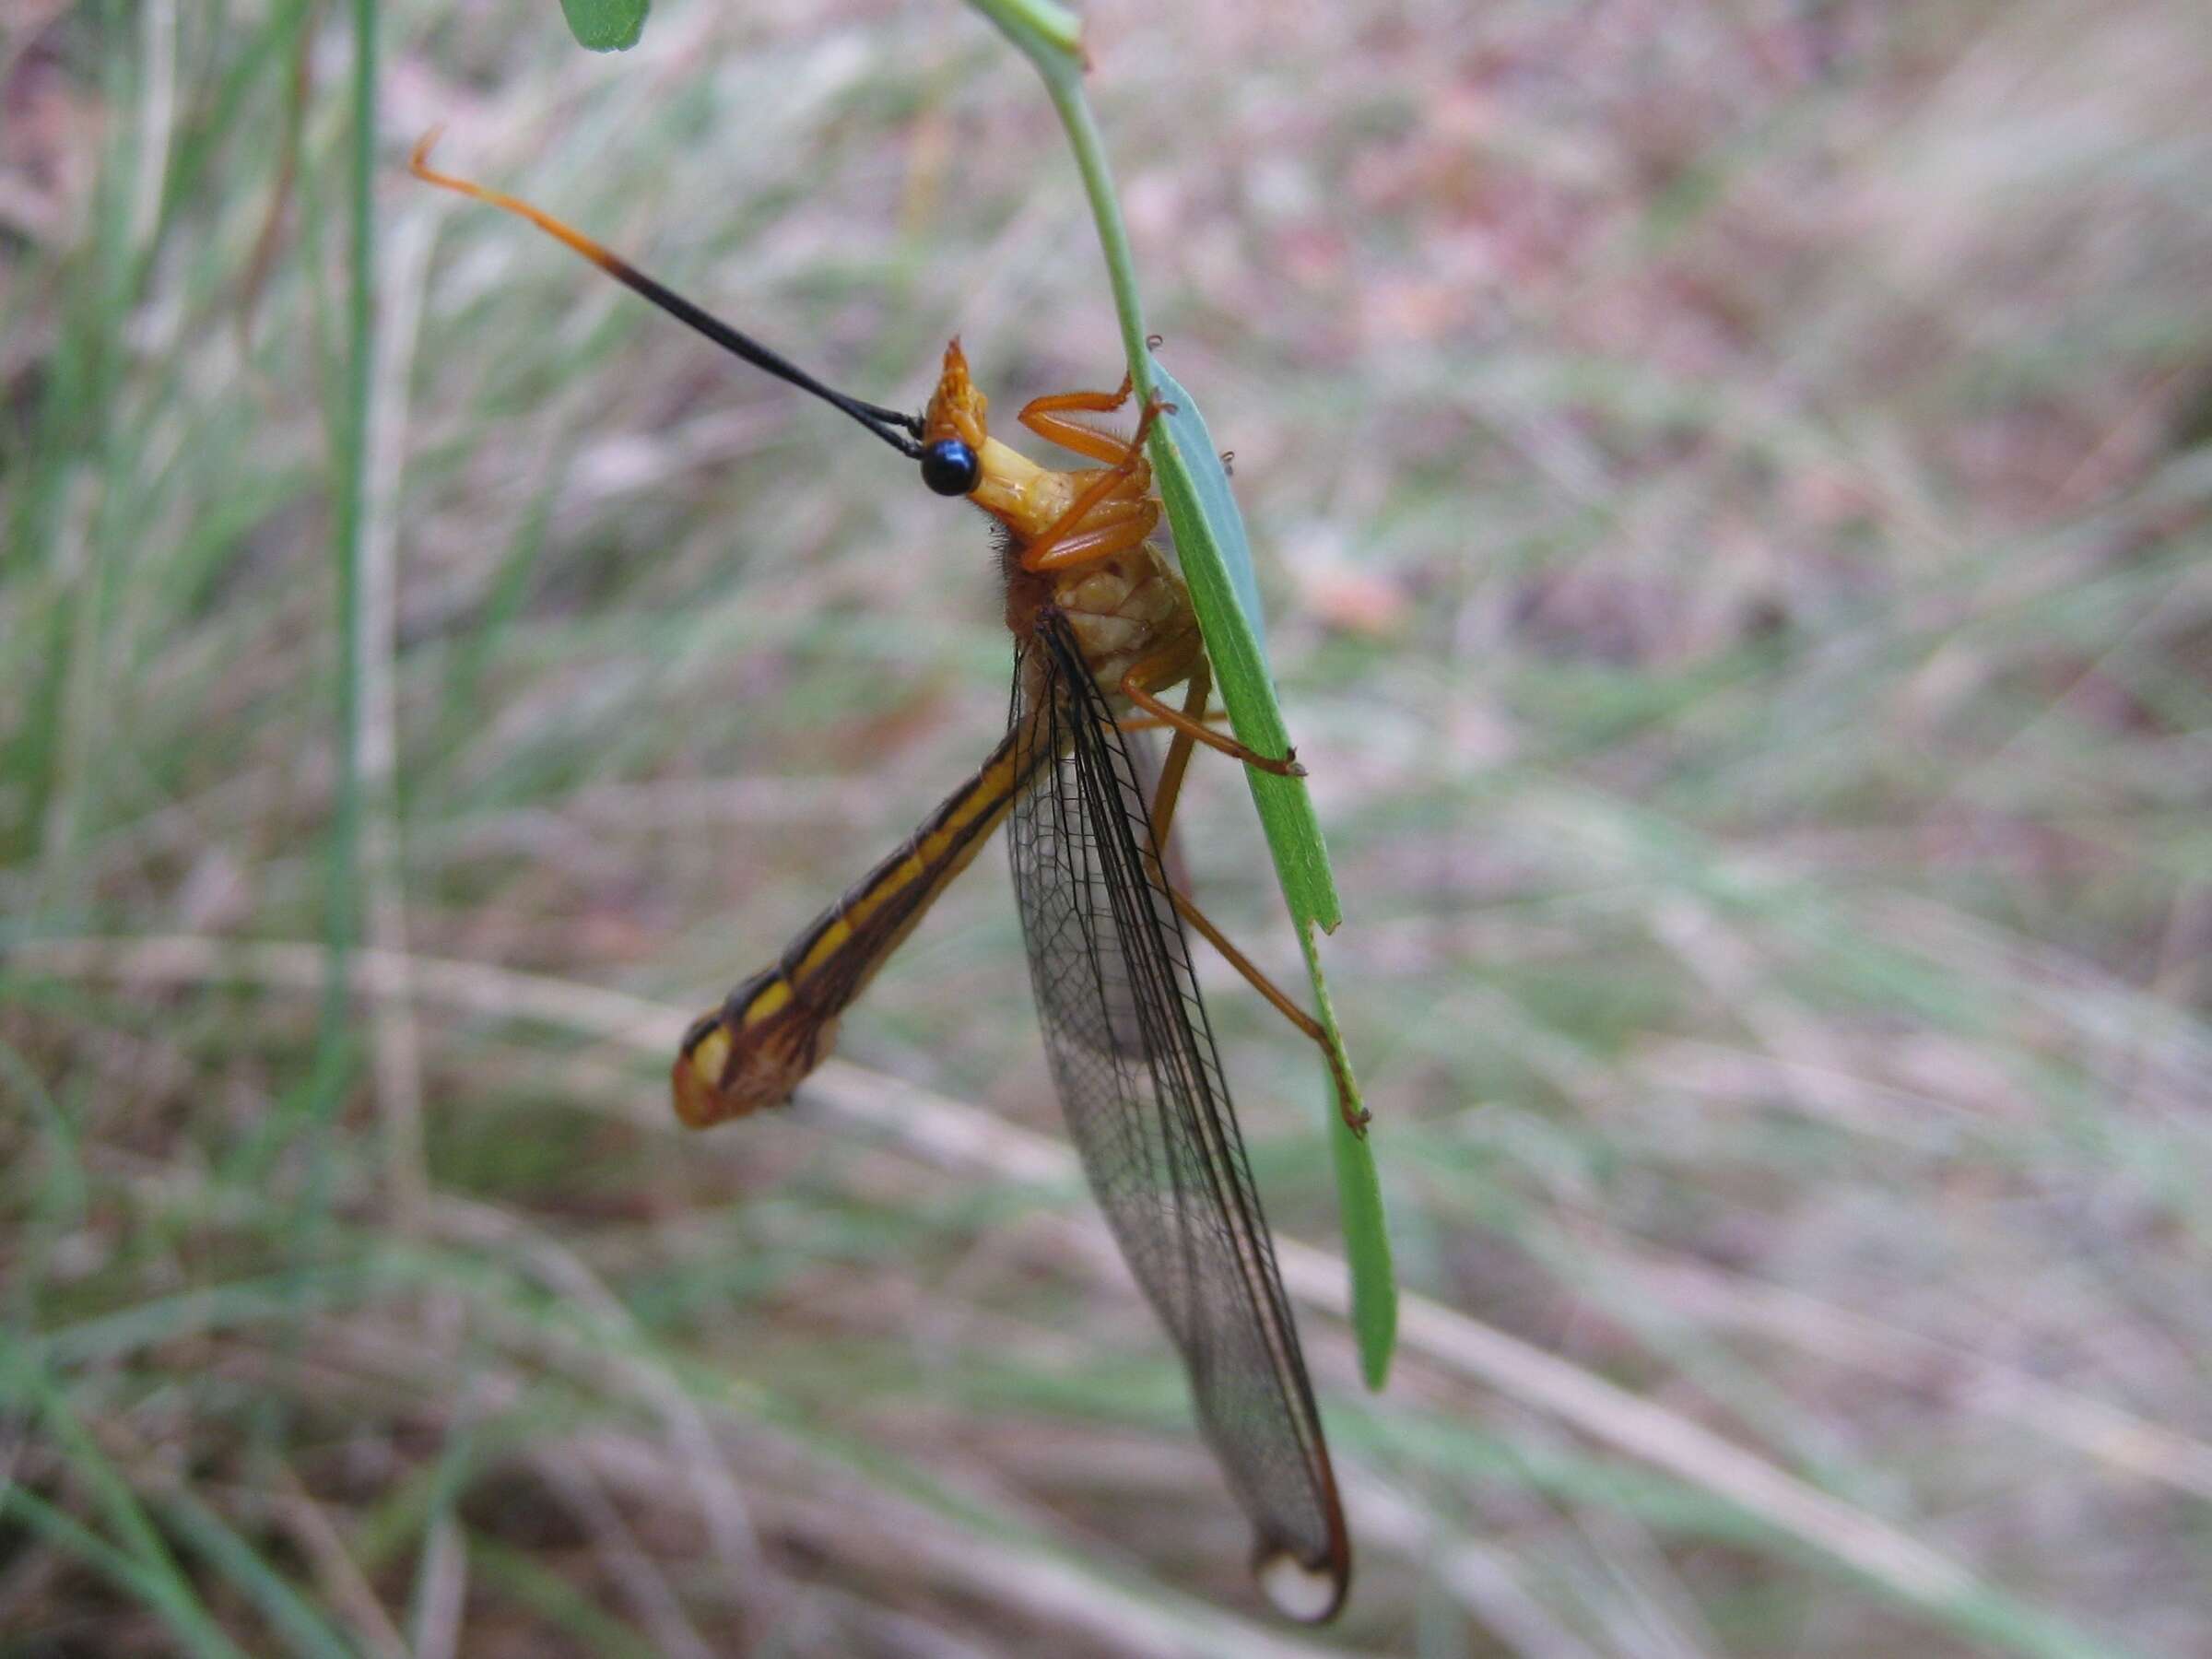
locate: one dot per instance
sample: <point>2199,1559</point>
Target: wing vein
<point>1140,1080</point>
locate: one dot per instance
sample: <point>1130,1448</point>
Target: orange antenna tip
<point>419,161</point>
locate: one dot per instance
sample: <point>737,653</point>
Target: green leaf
<point>1216,499</point>
<point>605,24</point>
<point>1216,564</point>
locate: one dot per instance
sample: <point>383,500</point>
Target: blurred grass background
<point>1732,485</point>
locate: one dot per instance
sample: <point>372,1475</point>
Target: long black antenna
<point>901,431</point>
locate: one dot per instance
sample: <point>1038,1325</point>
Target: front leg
<point>1047,417</point>
<point>1129,477</point>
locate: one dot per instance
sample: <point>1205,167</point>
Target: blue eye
<point>951,468</point>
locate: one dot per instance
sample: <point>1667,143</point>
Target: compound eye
<point>951,468</point>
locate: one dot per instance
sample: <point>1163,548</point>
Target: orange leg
<point>1169,790</point>
<point>1184,726</point>
<point>1163,819</point>
<point>1049,550</point>
<point>1043,416</point>
<point>1290,1010</point>
<point>1145,723</point>
<point>1115,526</point>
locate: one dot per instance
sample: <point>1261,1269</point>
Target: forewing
<point>1152,1120</point>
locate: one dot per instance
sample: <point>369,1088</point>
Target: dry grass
<point>1734,486</point>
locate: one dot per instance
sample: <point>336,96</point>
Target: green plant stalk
<point>334,1046</point>
<point>1210,542</point>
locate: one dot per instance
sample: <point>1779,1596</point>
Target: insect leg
<point>1170,788</point>
<point>1117,523</point>
<point>1290,1010</point>
<point>1188,726</point>
<point>1145,723</point>
<point>1164,798</point>
<point>1050,550</point>
<point>1047,417</point>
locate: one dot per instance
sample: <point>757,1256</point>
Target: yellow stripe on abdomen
<point>776,1027</point>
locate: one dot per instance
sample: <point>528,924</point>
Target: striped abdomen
<point>778,1024</point>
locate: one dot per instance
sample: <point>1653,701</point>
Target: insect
<point>1102,627</point>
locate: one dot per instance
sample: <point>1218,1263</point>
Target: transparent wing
<point>1141,1083</point>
